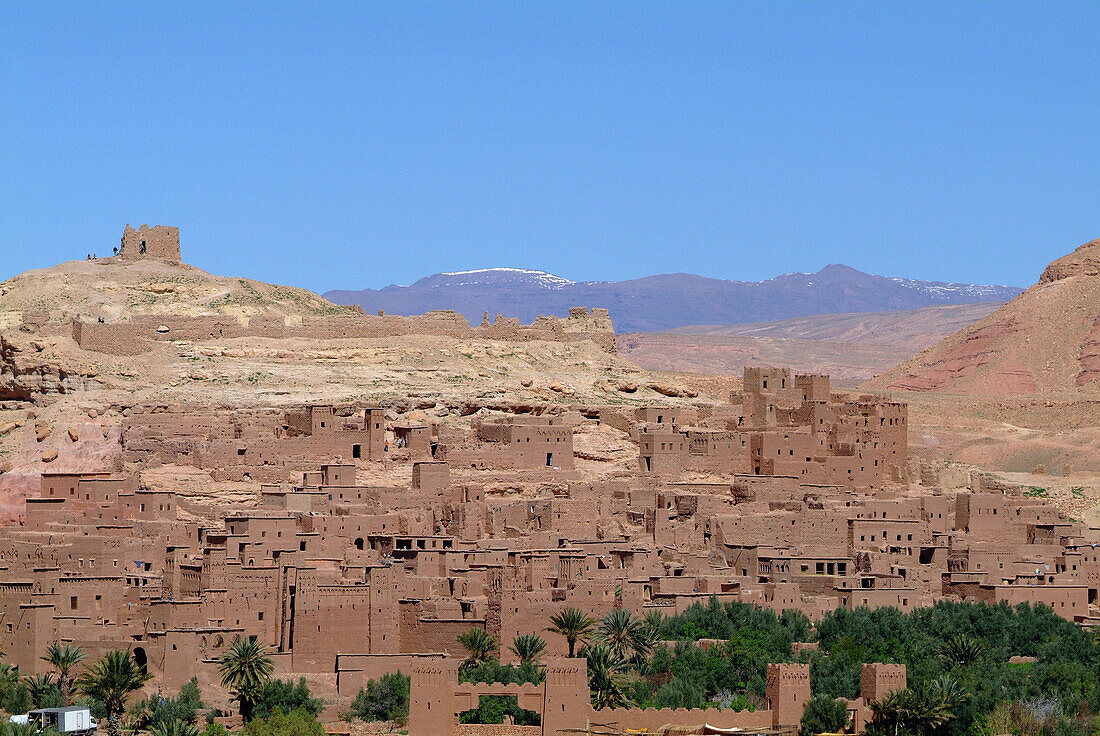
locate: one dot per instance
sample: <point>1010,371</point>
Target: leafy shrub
<point>384,699</point>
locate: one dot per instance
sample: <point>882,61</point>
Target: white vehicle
<point>72,721</point>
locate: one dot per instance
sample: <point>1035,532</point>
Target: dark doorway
<point>359,543</point>
<point>357,451</point>
<point>549,459</point>
<point>141,659</point>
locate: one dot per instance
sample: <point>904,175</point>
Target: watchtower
<point>159,241</point>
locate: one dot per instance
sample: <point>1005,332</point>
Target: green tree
<point>298,723</point>
<point>479,644</point>
<point>824,715</point>
<point>64,658</point>
<point>574,625</point>
<point>384,699</point>
<point>960,650</point>
<point>173,728</point>
<point>244,668</point>
<point>41,687</point>
<point>606,679</point>
<point>111,680</point>
<point>286,696</point>
<point>624,634</point>
<point>183,708</point>
<point>529,648</point>
<point>679,693</point>
<point>14,695</point>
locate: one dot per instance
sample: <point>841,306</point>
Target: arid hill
<point>912,329</point>
<point>112,288</point>
<point>849,347</point>
<point>61,406</point>
<point>1047,340</point>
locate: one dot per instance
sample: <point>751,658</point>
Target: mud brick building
<point>352,561</point>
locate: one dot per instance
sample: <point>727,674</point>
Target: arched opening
<point>141,659</point>
<point>359,543</point>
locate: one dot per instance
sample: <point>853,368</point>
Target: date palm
<point>606,679</point>
<point>479,644</point>
<point>111,681</point>
<point>64,658</point>
<point>624,634</point>
<point>961,650</point>
<point>529,648</point>
<point>39,686</point>
<point>573,624</point>
<point>244,668</point>
<point>173,728</point>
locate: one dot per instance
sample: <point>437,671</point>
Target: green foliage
<point>479,644</point>
<point>607,676</point>
<point>297,723</point>
<point>625,635</point>
<point>15,697</point>
<point>384,699</point>
<point>173,728</point>
<point>111,681</point>
<point>215,729</point>
<point>679,694</point>
<point>574,625</point>
<point>244,668</point>
<point>493,708</point>
<point>183,708</point>
<point>285,696</point>
<point>529,648</point>
<point>64,658</point>
<point>824,715</point>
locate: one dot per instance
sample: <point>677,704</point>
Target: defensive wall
<point>562,700</point>
<point>138,334</point>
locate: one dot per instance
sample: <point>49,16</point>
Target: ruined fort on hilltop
<point>135,333</point>
<point>224,460</point>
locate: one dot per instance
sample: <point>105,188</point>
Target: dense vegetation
<point>960,681</point>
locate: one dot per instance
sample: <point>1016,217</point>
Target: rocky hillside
<point>112,289</point>
<point>1047,340</point>
<point>668,301</point>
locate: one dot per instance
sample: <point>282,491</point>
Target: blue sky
<point>357,144</point>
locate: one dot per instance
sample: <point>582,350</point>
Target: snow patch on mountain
<point>527,275</point>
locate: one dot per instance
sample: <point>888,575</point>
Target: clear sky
<point>355,144</point>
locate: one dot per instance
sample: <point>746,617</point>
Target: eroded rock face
<point>1085,261</point>
<point>27,374</point>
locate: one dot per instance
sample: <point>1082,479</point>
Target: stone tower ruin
<point>159,241</point>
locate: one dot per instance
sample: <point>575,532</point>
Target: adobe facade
<point>361,555</point>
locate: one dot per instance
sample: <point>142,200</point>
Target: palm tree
<point>64,658</point>
<point>39,686</point>
<point>961,650</point>
<point>529,648</point>
<point>245,667</point>
<point>624,634</point>
<point>573,624</point>
<point>480,644</point>
<point>910,712</point>
<point>605,677</point>
<point>111,680</point>
<point>173,728</point>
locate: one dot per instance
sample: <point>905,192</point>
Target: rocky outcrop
<point>27,373</point>
<point>1085,261</point>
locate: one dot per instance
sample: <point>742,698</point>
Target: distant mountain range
<point>668,301</point>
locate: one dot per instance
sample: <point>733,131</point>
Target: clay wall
<point>159,241</point>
